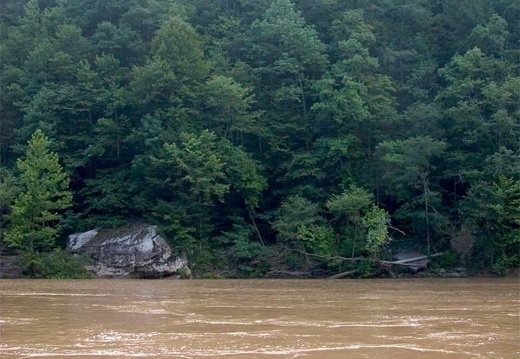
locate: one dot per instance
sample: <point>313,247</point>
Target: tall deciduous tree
<point>491,211</point>
<point>229,108</point>
<point>195,181</point>
<point>287,56</point>
<point>299,223</point>
<point>37,211</point>
<point>354,97</point>
<point>408,169</point>
<point>348,210</point>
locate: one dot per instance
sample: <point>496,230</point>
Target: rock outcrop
<point>135,251</point>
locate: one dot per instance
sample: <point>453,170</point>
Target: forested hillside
<point>303,134</point>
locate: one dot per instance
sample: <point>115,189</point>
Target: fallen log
<point>328,258</point>
<point>344,274</point>
<point>409,261</point>
<point>288,274</point>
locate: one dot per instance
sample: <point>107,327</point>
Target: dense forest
<point>264,134</point>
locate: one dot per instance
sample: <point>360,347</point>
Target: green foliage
<point>491,37</point>
<point>359,221</point>
<point>289,45</point>
<point>493,213</point>
<point>350,205</point>
<point>198,167</point>
<point>409,163</point>
<point>195,181</point>
<point>56,264</point>
<point>37,211</point>
<point>243,173</point>
<point>367,268</point>
<point>299,222</point>
<point>189,178</point>
<point>408,167</point>
<point>192,114</point>
<point>376,223</point>
<point>448,260</point>
<point>153,84</point>
<point>347,210</point>
<point>106,198</point>
<point>184,273</point>
<point>229,108</point>
<point>8,192</point>
<point>246,256</point>
<point>177,43</point>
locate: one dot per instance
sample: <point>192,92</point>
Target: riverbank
<point>10,269</point>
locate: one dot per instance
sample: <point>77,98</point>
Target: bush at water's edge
<point>56,264</point>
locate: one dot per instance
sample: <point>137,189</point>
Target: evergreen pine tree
<point>37,211</point>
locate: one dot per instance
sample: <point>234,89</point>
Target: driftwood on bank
<point>344,274</point>
<point>415,263</point>
<point>387,265</point>
<point>316,273</point>
<point>410,261</point>
<point>328,258</point>
<point>288,274</point>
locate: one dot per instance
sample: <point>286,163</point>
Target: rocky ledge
<point>135,251</point>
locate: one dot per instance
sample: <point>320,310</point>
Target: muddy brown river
<point>405,319</point>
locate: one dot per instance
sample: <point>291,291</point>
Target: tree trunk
<point>427,214</point>
<point>256,227</point>
<point>344,274</point>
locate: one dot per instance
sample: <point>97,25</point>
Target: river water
<point>405,319</point>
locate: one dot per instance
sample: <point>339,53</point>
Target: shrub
<point>55,264</point>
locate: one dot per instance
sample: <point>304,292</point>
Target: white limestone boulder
<point>135,251</point>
